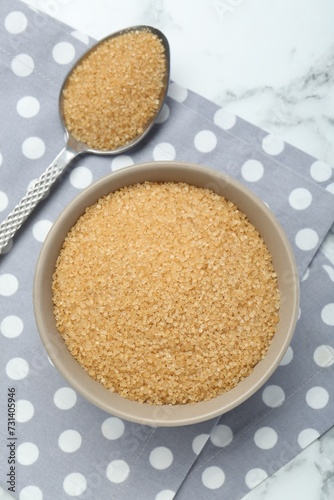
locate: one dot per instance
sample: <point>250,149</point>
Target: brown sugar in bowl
<point>165,293</point>
<point>118,396</point>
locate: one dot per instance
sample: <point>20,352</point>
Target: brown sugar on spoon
<point>165,293</point>
<point>115,91</point>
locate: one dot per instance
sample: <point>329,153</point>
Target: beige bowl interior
<point>283,260</point>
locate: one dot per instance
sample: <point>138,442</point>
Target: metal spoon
<point>74,147</point>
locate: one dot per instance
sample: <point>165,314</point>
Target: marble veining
<point>310,476</point>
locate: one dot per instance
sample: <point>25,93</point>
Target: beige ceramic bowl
<point>258,214</point>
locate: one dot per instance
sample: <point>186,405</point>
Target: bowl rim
<point>58,352</point>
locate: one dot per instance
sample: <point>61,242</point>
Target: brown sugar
<point>115,91</point>
<point>166,293</point>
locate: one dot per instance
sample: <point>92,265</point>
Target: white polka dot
<point>288,357</point>
<point>300,198</point>
<point>306,274</point>
<point>205,141</point>
<point>82,37</point>
<point>65,398</point>
<point>299,312</point>
<point>199,442</point>
<point>31,493</point>
<point>317,398</point>
<point>8,284</point>
<point>81,177</point>
<point>32,183</point>
<point>273,396</point>
<point>161,458</point>
<point>40,229</point>
<point>254,477</point>
<point>221,435</point>
<point>1,159</point>
<point>177,92</point>
<point>69,441</point>
<point>63,52</point>
<point>163,115</point>
<point>113,428</point>
<point>252,170</point>
<point>265,438</point>
<point>330,271</point>
<point>330,187</point>
<point>22,65</point>
<point>17,368</point>
<point>164,152</point>
<point>27,453</point>
<point>121,161</point>
<point>327,314</point>
<point>24,410</point>
<point>28,106</point>
<point>165,495</point>
<point>33,148</point>
<point>213,477</point>
<point>307,436</point>
<point>272,145</point>
<point>16,22</point>
<point>320,171</point>
<point>3,201</point>
<point>306,239</point>
<point>11,326</point>
<point>224,119</point>
<point>324,356</point>
<point>74,484</point>
<point>117,471</point>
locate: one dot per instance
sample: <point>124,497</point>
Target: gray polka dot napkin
<point>62,446</point>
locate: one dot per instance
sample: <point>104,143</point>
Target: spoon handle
<point>23,209</point>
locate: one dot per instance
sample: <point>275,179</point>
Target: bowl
<point>283,261</point>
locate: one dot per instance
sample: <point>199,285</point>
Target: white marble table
<point>270,62</point>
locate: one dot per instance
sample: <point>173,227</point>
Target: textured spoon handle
<point>24,208</point>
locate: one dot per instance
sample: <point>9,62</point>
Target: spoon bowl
<point>75,146</point>
<point>79,145</point>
